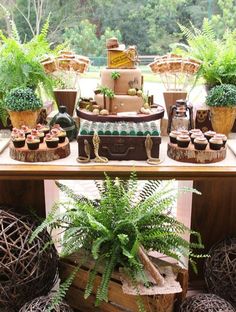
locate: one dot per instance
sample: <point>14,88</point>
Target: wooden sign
<point>119,59</point>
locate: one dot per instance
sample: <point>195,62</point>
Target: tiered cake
<point>120,113</point>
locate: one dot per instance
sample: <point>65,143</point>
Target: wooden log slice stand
<point>191,155</point>
<point>43,154</point>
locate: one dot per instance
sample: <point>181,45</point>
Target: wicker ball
<point>27,270</point>
<point>41,304</point>
<point>220,270</point>
<point>205,303</point>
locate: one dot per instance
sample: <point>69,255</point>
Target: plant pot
<point>27,118</point>
<point>171,97</point>
<point>66,98</point>
<point>222,119</point>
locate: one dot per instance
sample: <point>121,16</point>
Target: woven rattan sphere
<point>27,270</point>
<point>205,303</point>
<point>220,270</point>
<point>41,304</point>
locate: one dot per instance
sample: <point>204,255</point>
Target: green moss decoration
<point>222,96</point>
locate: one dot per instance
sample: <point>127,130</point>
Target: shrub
<point>21,99</point>
<point>222,96</point>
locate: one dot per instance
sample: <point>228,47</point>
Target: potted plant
<point>217,55</point>
<point>20,63</point>
<point>221,100</point>
<point>23,107</point>
<point>118,228</point>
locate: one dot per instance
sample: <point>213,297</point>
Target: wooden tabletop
<point>69,168</point>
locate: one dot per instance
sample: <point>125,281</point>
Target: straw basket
<point>222,119</point>
<point>27,118</point>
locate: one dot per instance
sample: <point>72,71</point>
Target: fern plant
<point>20,62</point>
<point>113,228</point>
<point>218,56</point>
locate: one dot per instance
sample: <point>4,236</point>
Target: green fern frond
<point>44,31</point>
<point>58,297</point>
<point>90,283</point>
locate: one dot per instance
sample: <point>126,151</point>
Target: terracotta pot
<point>27,118</point>
<point>171,97</point>
<point>66,98</point>
<point>222,119</point>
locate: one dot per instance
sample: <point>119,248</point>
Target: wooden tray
<point>191,155</point>
<point>43,154</point>
<point>157,113</point>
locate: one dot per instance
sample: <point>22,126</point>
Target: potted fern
<point>217,55</point>
<point>23,107</point>
<point>221,100</point>
<point>118,229</point>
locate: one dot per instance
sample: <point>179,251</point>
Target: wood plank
<point>36,172</point>
<point>213,213</point>
<point>23,195</point>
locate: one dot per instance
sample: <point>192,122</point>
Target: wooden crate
<point>118,301</point>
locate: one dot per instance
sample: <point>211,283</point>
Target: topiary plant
<point>114,228</point>
<point>222,96</point>
<point>22,99</point>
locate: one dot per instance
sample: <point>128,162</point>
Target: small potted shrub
<point>222,102</point>
<point>23,106</point>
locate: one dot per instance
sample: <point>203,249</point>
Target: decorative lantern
<point>205,303</point>
<point>181,116</point>
<point>220,270</point>
<point>27,269</point>
<point>41,304</point>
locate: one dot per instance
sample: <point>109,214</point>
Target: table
<point>213,213</point>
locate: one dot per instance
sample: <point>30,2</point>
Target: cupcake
<point>215,143</point>
<point>38,134</point>
<point>51,141</point>
<point>200,143</point>
<point>26,130</point>
<point>173,136</point>
<point>195,135</point>
<point>43,128</point>
<point>209,134</point>
<point>183,140</point>
<point>183,131</point>
<point>61,133</point>
<point>195,131</point>
<point>221,136</point>
<point>18,138</point>
<point>32,142</point>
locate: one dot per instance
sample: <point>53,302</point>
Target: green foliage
<point>115,75</point>
<point>218,56</point>
<point>107,92</point>
<point>222,96</point>
<point>22,99</point>
<point>113,228</point>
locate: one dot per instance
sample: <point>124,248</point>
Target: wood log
<point>191,155</point>
<point>150,267</point>
<point>43,154</point>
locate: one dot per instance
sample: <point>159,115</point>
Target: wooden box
<point>118,301</point>
<point>118,59</point>
<point>116,147</point>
